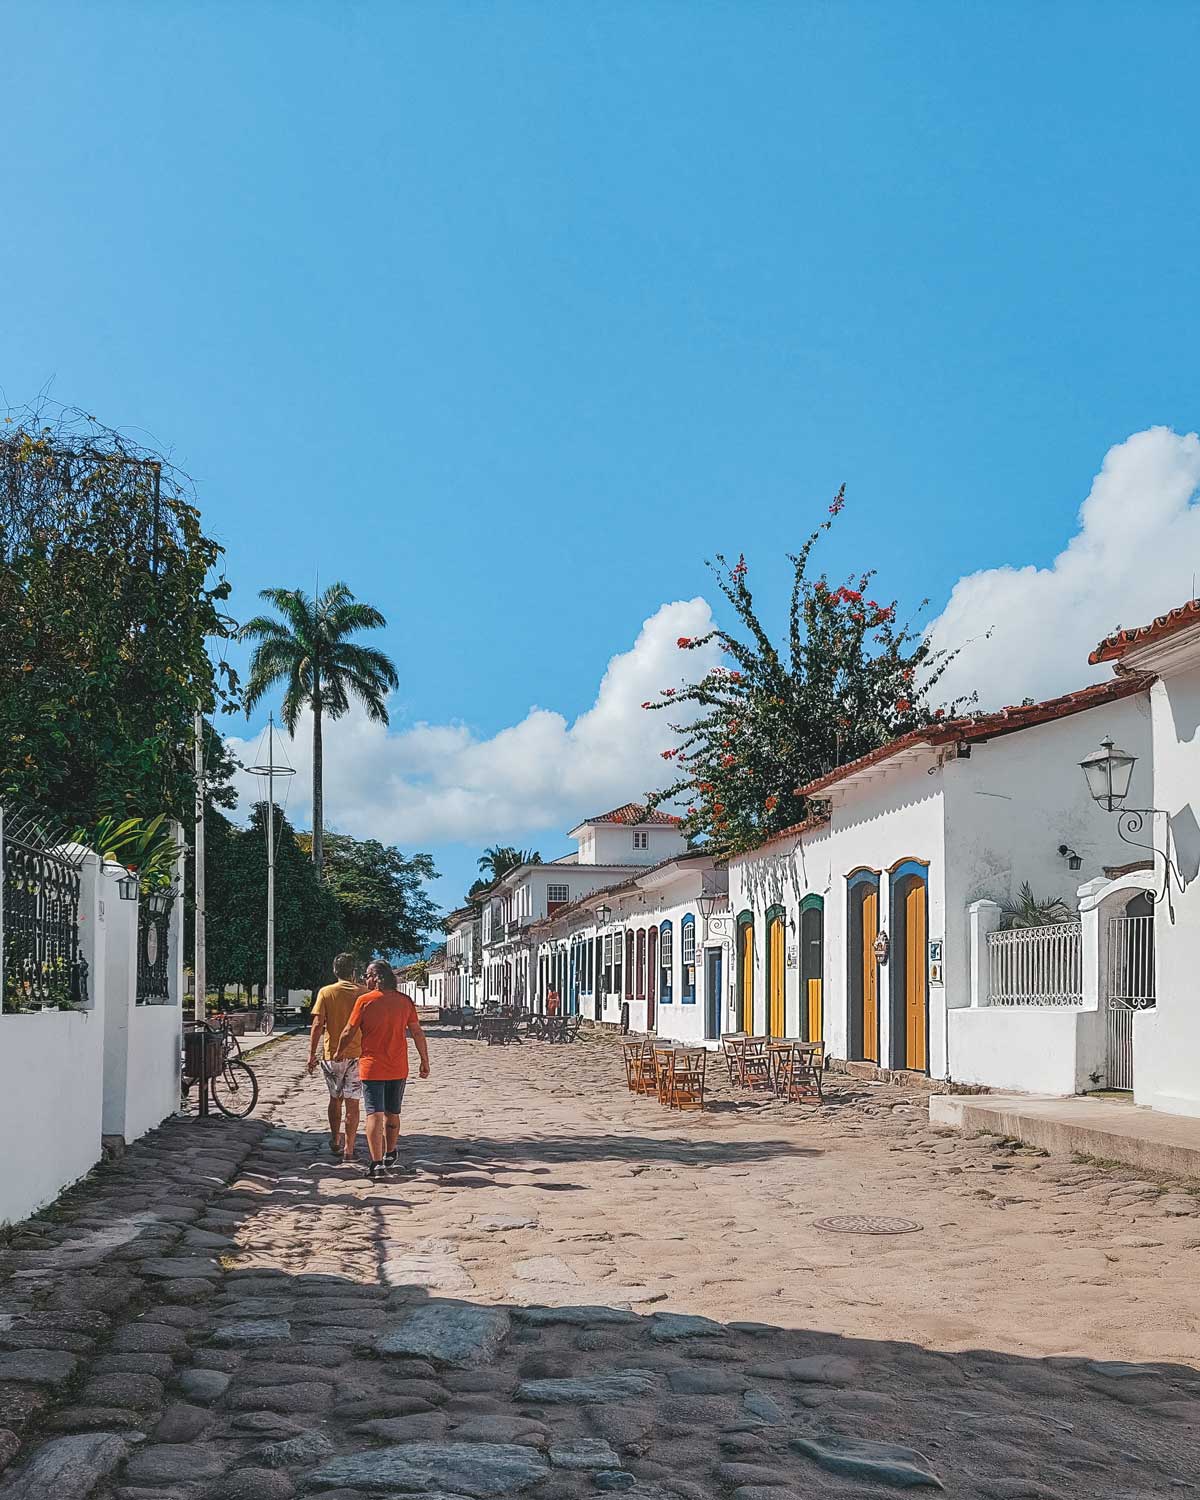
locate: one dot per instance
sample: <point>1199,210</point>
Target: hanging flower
<point>647,705</point>
<point>684,642</point>
<point>902,705</point>
<point>771,803</point>
<point>740,570</point>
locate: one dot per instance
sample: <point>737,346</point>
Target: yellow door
<point>914,976</point>
<point>870,976</point>
<point>747,1023</point>
<point>776,1022</point>
<point>815,1019</point>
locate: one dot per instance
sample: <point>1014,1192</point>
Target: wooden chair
<point>798,1071</point>
<point>647,1079</point>
<point>632,1053</point>
<point>687,1078</point>
<point>664,1071</point>
<point>754,1059</point>
<point>731,1044</point>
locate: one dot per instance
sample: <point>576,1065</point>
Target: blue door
<point>712,992</point>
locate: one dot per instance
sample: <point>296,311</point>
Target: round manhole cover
<point>867,1224</point>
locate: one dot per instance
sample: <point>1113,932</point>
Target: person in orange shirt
<point>380,1024</point>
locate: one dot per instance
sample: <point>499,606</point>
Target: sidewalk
<point>1106,1128</point>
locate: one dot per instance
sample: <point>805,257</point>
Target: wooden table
<point>796,1067</point>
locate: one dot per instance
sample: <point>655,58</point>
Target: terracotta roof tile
<point>636,812</point>
<point>988,726</point>
<point>1114,646</point>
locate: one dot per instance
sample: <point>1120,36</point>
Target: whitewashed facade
<point>855,928</point>
<point>608,848</point>
<point>464,957</point>
<point>1166,1035</point>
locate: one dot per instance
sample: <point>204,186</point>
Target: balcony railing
<point>1036,965</point>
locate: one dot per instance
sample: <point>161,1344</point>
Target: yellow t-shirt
<point>334,1004</point>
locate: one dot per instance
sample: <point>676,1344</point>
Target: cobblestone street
<point>569,1290</point>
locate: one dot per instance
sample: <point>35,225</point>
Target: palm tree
<point>501,858</point>
<point>1029,910</point>
<point>309,650</point>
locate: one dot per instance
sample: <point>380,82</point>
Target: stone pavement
<point>572,1292</point>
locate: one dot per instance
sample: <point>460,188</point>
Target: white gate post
<point>1093,950</point>
<point>983,918</point>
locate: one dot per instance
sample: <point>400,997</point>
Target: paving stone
<point>477,1470</point>
<point>618,1480</point>
<point>137,1391</point>
<point>92,1419</point>
<point>689,1382</point>
<point>10,1446</point>
<point>817,1369</point>
<point>300,1396</point>
<point>267,1424</point>
<point>427,1426</point>
<point>670,1327</point>
<point>203,1385</point>
<point>225,1360</point>
<point>885,1463</point>
<point>46,1338</point>
<point>497,1223</point>
<point>161,1365</point>
<point>737,1474</point>
<point>448,1334</point>
<point>38,1367</point>
<point>501,1428</point>
<point>187,1289</point>
<point>251,1332</point>
<point>67,1468</point>
<point>305,1448</point>
<point>760,1405</point>
<point>174,1268</point>
<point>251,1484</point>
<point>575,1317</point>
<point>616,1387</point>
<point>182,1423</point>
<point>584,1453</point>
<point>164,1463</point>
<point>149,1338</point>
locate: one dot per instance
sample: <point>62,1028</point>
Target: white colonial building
<point>868,925</point>
<point>464,957</point>
<point>608,848</point>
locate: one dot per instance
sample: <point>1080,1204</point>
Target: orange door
<point>915,1000</point>
<point>775,1021</point>
<point>815,1019</point>
<point>870,976</point>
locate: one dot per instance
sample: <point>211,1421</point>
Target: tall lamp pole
<point>199,964</point>
<point>271,771</point>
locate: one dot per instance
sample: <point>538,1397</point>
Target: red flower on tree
<point>771,803</point>
<point>902,705</point>
<point>684,642</point>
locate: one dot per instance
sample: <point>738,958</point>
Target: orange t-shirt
<point>385,1017</point>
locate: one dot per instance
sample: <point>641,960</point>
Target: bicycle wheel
<point>235,1090</point>
<point>267,1024</point>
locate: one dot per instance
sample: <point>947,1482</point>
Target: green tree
<point>847,679</point>
<point>309,651</point>
<point>380,892</point>
<point>497,861</point>
<point>107,600</point>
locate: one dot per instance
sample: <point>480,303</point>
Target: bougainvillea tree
<point>849,677</point>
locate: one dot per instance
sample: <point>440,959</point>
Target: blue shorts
<point>383,1095</point>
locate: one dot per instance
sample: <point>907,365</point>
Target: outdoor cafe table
<point>498,1030</point>
<point>778,1050</point>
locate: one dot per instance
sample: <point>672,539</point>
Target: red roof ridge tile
<point>1114,646</point>
<point>983,726</point>
<point>635,812</point>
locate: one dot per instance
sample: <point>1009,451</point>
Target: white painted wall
<point>54,1061</point>
<point>1166,1040</point>
<point>613,844</point>
<point>1038,1050</point>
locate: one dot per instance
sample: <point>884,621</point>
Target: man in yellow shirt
<point>330,1014</point>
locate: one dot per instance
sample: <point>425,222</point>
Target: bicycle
<point>232,1084</point>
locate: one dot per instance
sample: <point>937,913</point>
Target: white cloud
<point>1136,554</point>
<point>440,783</point>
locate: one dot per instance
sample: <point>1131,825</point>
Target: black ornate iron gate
<point>43,967</point>
<point>153,983</point>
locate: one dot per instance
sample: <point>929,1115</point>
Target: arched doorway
<point>909,967</point>
<point>812,968</point>
<point>862,987</point>
<point>776,971</point>
<point>745,972</point>
<point>651,977</point>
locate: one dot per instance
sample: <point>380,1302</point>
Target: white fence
<point>1036,965</point>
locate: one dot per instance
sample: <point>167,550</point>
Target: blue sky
<point>510,314</point>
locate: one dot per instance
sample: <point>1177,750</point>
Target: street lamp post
<point>1109,773</point>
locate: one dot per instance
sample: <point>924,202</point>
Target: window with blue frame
<point>687,959</point>
<point>666,963</point>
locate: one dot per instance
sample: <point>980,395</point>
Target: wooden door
<point>870,976</point>
<point>651,976</point>
<point>712,992</point>
<point>816,1019</point>
<point>915,1000</point>
<point>775,1021</point>
<point>746,1021</point>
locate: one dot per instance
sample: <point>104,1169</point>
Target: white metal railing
<point>1131,961</point>
<point>1036,965</point>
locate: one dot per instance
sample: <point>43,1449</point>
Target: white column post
<point>983,918</point>
<point>1093,955</point>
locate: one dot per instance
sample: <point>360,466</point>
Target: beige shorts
<point>342,1080</point>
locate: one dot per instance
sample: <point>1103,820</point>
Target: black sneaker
<point>373,1171</point>
<point>389,1158</point>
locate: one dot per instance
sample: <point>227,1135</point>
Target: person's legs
<point>393,1104</point>
<point>335,1124</point>
<point>352,1110</point>
<point>375,1097</point>
<point>392,1133</point>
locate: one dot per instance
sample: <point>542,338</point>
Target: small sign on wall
<point>935,961</point>
<point>793,957</point>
